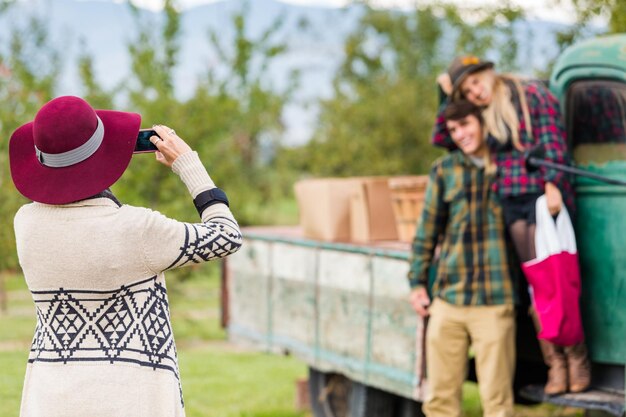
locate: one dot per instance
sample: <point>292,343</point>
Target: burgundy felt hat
<point>71,151</point>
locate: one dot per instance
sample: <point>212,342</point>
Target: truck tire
<point>334,395</point>
<point>328,393</point>
<point>597,413</point>
<point>367,401</point>
<point>409,408</point>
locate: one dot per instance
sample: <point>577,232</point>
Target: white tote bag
<point>552,237</point>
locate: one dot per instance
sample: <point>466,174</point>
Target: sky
<point>540,9</point>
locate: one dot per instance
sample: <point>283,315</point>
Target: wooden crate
<point>407,198</point>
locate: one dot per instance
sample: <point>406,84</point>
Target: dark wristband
<point>208,198</point>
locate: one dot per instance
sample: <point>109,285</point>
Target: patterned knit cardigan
<point>103,344</point>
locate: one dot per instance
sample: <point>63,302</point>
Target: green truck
<point>342,308</point>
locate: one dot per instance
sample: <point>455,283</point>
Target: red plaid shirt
<point>548,130</point>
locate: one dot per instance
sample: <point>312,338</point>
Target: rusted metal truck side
<point>341,308</point>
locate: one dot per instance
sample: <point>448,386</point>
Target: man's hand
<point>420,301</point>
<point>553,198</point>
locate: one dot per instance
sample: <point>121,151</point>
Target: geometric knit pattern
<point>206,241</point>
<point>130,324</point>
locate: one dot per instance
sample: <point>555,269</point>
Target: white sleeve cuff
<point>191,171</point>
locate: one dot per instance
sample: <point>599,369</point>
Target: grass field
<point>219,379</point>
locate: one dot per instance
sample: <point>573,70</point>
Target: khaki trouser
<point>491,332</point>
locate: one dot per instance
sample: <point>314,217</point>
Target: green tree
<point>483,31</point>
<point>149,91</point>
<point>585,25</point>
<point>380,119</point>
<point>237,111</point>
<point>29,71</point>
<point>614,11</point>
<point>233,118</point>
<point>94,94</point>
<point>5,4</point>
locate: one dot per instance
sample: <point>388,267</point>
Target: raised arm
<point>169,243</point>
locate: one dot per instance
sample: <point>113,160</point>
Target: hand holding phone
<point>143,143</point>
<point>171,146</point>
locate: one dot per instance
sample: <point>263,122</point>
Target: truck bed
<point>295,235</point>
<point>340,306</point>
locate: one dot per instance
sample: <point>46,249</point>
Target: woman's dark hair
<point>458,109</point>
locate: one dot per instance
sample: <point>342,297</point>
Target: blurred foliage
<point>28,74</point>
<point>380,118</point>
<point>246,110</point>
<point>233,118</point>
<point>587,14</point>
<point>378,121</point>
<point>150,92</point>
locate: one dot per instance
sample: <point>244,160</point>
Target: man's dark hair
<point>458,109</point>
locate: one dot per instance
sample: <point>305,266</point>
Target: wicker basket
<point>407,198</point>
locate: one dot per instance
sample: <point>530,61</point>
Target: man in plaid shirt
<point>473,292</point>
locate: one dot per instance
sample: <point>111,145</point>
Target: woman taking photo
<point>104,344</point>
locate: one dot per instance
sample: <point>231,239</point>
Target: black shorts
<point>519,208</point>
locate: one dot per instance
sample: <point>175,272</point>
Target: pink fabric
<point>555,283</point>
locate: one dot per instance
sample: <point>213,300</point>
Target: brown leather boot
<point>578,366</point>
<point>554,357</point>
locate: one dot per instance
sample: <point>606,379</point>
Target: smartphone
<point>143,143</point>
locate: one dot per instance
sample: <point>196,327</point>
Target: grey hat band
<point>74,156</point>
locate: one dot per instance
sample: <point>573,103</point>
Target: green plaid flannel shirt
<point>462,213</point>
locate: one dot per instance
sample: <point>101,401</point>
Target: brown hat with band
<point>463,66</point>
